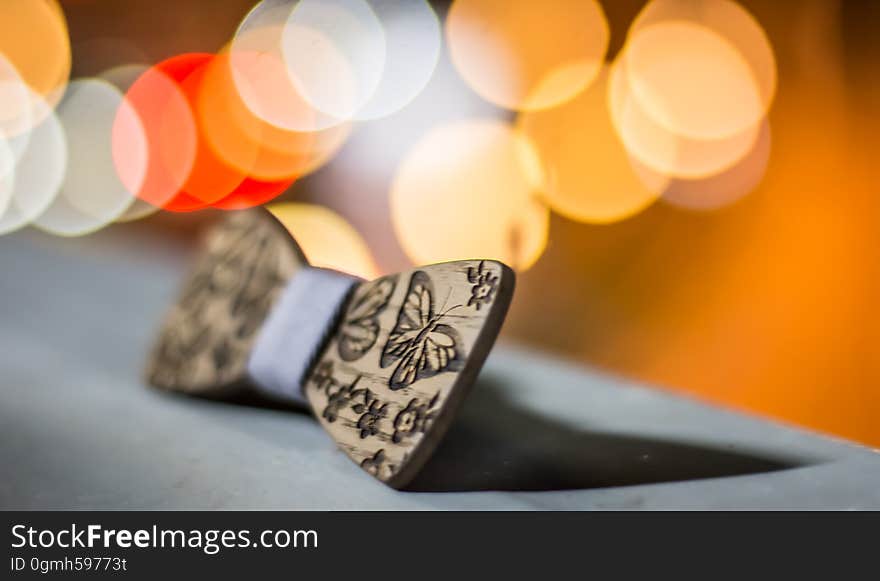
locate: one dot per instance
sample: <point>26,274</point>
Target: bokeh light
<point>689,94</point>
<point>264,80</point>
<point>413,42</point>
<point>334,51</point>
<point>729,20</point>
<point>211,178</point>
<point>589,174</point>
<point>165,122</point>
<point>308,152</point>
<point>7,174</point>
<point>185,120</point>
<point>376,149</point>
<point>233,132</point>
<point>526,56</point>
<point>15,105</point>
<point>468,190</point>
<point>692,81</point>
<point>359,178</point>
<point>251,193</point>
<point>123,77</point>
<point>39,171</point>
<point>326,239</point>
<point>33,36</point>
<point>682,108</point>
<point>91,194</point>
<point>666,152</point>
<point>726,187</point>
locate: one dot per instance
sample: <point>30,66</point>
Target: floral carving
<point>322,378</point>
<point>340,398</point>
<point>484,286</point>
<point>371,413</point>
<point>378,465</point>
<point>415,418</point>
<point>363,402</point>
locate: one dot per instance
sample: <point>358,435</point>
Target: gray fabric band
<point>296,330</point>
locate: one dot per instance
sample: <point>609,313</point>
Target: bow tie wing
<point>206,338</point>
<point>422,337</point>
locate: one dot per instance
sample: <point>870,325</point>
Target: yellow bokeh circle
<point>590,176</point>
<point>666,152</point>
<point>525,55</point>
<point>692,81</point>
<point>470,190</point>
<point>326,238</point>
<point>34,38</point>
<point>731,21</point>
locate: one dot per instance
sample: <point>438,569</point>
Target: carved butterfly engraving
<point>359,329</point>
<point>421,345</point>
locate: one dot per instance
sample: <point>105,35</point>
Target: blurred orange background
<point>767,305</point>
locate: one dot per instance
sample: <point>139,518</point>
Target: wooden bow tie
<point>383,364</point>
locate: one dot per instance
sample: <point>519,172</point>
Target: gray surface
<point>79,429</point>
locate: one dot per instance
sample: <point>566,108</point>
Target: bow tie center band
<point>382,364</point>
<point>298,326</point>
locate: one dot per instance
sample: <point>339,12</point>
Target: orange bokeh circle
<point>169,129</point>
<point>185,171</point>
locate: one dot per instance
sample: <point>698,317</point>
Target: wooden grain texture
<point>205,341</point>
<point>406,351</point>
